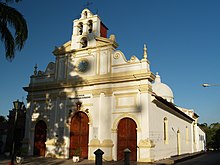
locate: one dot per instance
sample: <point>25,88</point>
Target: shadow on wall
<point>49,108</point>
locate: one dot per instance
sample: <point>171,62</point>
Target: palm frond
<point>8,40</point>
<point>10,17</point>
<point>16,19</point>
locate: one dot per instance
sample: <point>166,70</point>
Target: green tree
<point>3,119</point>
<point>12,20</point>
<point>212,135</point>
<point>217,139</point>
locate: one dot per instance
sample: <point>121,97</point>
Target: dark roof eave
<point>173,107</point>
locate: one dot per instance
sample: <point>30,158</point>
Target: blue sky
<point>182,37</point>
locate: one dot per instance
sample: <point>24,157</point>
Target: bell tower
<point>86,29</point>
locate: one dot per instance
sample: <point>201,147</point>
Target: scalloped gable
<point>50,68</point>
<point>120,59</point>
<point>86,13</point>
<point>133,59</point>
<point>62,49</point>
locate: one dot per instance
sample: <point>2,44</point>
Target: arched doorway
<point>127,138</point>
<point>79,135</point>
<point>40,135</point>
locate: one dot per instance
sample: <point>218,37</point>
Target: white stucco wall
<point>201,140</point>
<point>163,150</point>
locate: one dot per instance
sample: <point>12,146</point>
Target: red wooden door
<point>40,138</point>
<point>127,138</point>
<point>79,135</point>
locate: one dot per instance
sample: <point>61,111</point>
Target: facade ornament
<point>133,58</point>
<point>78,105</point>
<point>116,55</point>
<point>146,143</point>
<point>112,37</point>
<point>35,69</point>
<point>145,53</point>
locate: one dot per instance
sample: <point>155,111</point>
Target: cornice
<point>94,92</point>
<point>93,80</point>
<point>101,41</point>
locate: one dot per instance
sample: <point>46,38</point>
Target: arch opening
<point>127,138</point>
<point>90,26</point>
<point>79,135</point>
<point>80,28</point>
<point>84,42</point>
<point>40,135</point>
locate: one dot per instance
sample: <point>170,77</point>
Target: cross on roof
<point>88,4</point>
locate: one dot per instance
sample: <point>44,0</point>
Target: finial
<point>35,69</point>
<point>157,79</point>
<point>145,51</point>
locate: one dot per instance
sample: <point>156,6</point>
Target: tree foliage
<point>12,20</point>
<point>3,119</point>
<point>212,135</point>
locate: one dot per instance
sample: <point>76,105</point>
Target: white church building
<point>93,97</point>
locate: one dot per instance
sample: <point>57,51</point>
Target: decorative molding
<point>116,55</point>
<point>132,103</point>
<point>145,88</point>
<point>114,130</point>
<point>126,115</point>
<point>133,59</point>
<point>149,160</point>
<point>146,143</point>
<point>93,80</point>
<point>126,94</point>
<point>107,143</point>
<point>95,92</point>
<point>94,143</point>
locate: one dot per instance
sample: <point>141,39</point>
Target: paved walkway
<point>53,161</point>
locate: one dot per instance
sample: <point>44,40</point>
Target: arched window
<point>90,24</point>
<point>83,42</point>
<point>80,28</point>
<point>85,14</point>
<point>165,130</point>
<point>178,143</point>
<point>194,132</point>
<point>187,135</point>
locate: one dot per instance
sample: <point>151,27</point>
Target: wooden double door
<point>79,135</point>
<point>127,138</point>
<point>40,135</point>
